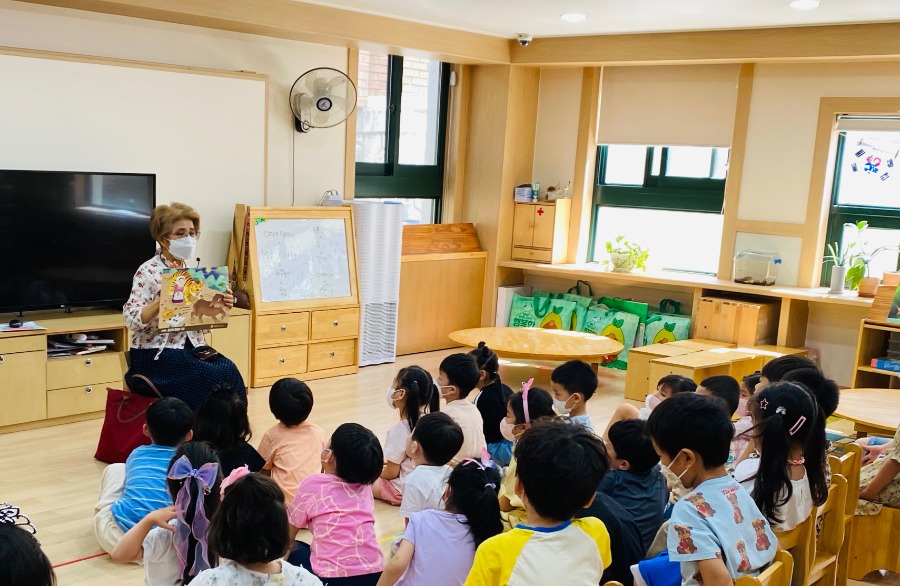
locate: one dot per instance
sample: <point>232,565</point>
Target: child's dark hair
<point>487,360</point>
<point>540,405</point>
<point>677,384</point>
<point>823,389</point>
<point>357,454</point>
<point>441,438</point>
<point>251,525</point>
<point>22,559</point>
<point>630,441</point>
<point>576,376</point>
<point>473,493</point>
<point>560,467</point>
<point>724,388</point>
<point>775,369</point>
<point>222,420</point>
<point>169,421</point>
<point>751,380</point>
<point>693,422</point>
<point>198,453</point>
<point>420,393</point>
<point>787,415</point>
<point>291,401</point>
<point>462,372</point>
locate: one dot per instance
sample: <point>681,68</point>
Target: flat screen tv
<point>72,239</point>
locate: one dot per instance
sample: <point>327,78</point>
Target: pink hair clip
<point>235,475</point>
<point>797,425</point>
<point>525,388</point>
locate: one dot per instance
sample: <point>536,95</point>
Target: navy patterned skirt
<point>177,373</point>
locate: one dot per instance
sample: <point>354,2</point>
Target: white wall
<point>556,133</point>
<point>317,160</point>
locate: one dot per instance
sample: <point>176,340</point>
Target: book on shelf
<point>885,364</point>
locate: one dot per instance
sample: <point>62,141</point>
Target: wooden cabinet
<point>873,342</point>
<point>234,341</point>
<point>745,323</point>
<point>23,380</point>
<point>541,231</point>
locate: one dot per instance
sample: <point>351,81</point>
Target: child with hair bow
<point>172,541</point>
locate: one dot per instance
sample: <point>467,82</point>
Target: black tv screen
<point>72,239</point>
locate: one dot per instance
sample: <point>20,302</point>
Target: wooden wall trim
<point>822,177</point>
<point>350,130</point>
<point>735,169</point>
<point>808,43</point>
<point>457,138</point>
<point>585,165</point>
<point>311,23</point>
<point>771,228</point>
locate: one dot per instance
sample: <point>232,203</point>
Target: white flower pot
<point>620,263</point>
<point>838,279</point>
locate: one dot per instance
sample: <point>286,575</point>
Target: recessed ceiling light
<point>804,4</point>
<point>573,17</point>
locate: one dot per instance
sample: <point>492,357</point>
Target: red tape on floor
<point>90,557</point>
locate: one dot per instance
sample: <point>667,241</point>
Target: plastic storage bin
<point>752,267</point>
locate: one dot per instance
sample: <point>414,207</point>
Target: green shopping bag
<point>541,312</point>
<point>616,325</point>
<point>641,310</point>
<point>667,325</point>
<point>581,303</point>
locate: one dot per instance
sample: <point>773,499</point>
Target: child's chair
<point>831,539</point>
<point>777,574</point>
<point>876,543</point>
<point>800,542</point>
<point>848,466</point>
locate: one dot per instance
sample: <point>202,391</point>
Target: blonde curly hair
<point>164,218</point>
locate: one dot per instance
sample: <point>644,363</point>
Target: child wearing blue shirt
<point>131,490</point>
<point>717,533</point>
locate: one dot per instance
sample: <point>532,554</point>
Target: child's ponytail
<point>193,482</point>
<point>487,361</point>
<point>421,394</point>
<point>473,494</point>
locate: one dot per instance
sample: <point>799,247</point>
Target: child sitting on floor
<point>222,421</point>
<point>172,541</point>
<point>491,402</point>
<point>559,467</point>
<point>337,507</point>
<point>525,408</point>
<point>634,480</point>
<point>291,447</point>
<point>717,533</point>
<point>573,384</point>
<point>728,391</point>
<point>458,376</point>
<point>250,535</point>
<point>21,557</point>
<point>412,394</point>
<point>788,477</point>
<point>668,386</point>
<point>434,440</point>
<point>131,490</point>
<point>438,546</point>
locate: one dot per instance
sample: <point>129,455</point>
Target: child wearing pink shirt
<point>337,507</point>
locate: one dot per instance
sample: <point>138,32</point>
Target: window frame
<point>391,179</point>
<point>840,214</point>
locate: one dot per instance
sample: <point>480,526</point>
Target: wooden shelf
<point>877,370</point>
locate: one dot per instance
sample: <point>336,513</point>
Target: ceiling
<point>540,18</point>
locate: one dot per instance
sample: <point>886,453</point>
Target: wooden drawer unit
<point>23,344</point>
<point>282,328</point>
<point>280,362</point>
<point>23,385</point>
<point>335,323</point>
<point>531,254</point>
<point>80,371</point>
<point>325,355</point>
<point>540,231</point>
<point>77,400</point>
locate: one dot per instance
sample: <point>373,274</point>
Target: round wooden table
<point>873,411</point>
<point>540,344</point>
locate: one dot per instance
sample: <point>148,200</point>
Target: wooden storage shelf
<point>541,231</point>
<point>873,343</point>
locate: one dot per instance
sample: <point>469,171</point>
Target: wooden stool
<point>875,543</point>
<point>700,365</point>
<point>638,382</point>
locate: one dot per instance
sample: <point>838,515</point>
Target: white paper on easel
<point>504,301</point>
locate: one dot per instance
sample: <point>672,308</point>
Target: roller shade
<point>867,124</point>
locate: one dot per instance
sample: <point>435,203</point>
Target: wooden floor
<point>51,474</point>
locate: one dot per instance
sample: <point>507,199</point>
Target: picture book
<point>885,364</point>
<point>193,299</point>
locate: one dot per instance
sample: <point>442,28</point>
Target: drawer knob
<point>88,362</point>
<point>335,323</point>
<point>1,359</point>
<point>283,328</point>
<point>331,354</point>
<point>88,390</point>
<point>281,361</point>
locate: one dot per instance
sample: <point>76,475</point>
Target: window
<point>867,187</point>
<point>400,131</point>
<point>667,199</point>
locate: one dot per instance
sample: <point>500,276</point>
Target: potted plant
<point>625,256</point>
<point>858,273</point>
<point>840,259</point>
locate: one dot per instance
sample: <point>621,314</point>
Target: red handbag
<point>123,424</point>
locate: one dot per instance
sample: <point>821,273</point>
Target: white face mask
<point>742,410</point>
<point>390,398</point>
<point>506,430</point>
<point>669,468</point>
<point>561,406</point>
<point>183,248</point>
<point>652,401</point>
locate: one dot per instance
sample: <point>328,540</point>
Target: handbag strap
<point>149,384</point>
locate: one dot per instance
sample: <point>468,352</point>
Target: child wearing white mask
<point>667,386</point>
<point>412,394</point>
<point>573,384</point>
<point>457,378</point>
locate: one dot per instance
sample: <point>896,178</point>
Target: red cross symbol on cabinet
<point>540,211</point>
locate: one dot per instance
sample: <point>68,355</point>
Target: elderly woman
<point>167,359</point>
